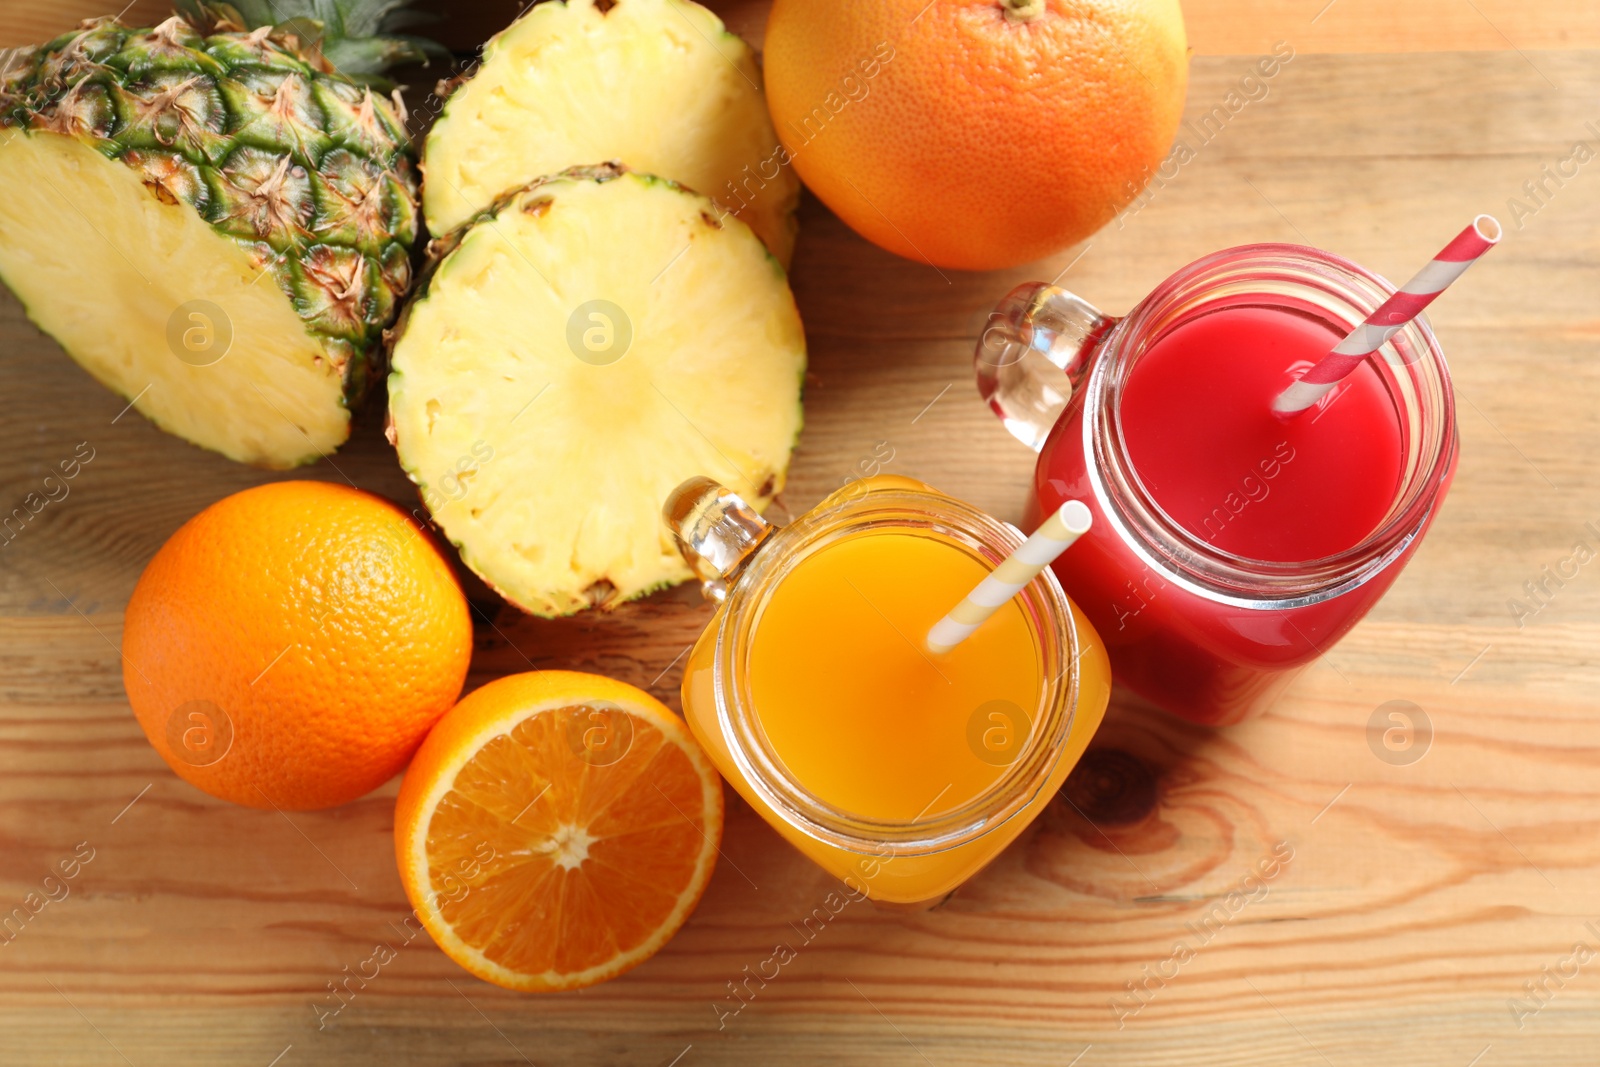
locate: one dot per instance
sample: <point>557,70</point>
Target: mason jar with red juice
<point>1231,545</point>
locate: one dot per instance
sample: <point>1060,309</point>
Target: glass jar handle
<point>1034,335</point>
<point>717,533</point>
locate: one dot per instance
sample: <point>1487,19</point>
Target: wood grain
<point>1419,899</point>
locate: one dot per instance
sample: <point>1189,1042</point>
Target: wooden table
<point>1421,900</point>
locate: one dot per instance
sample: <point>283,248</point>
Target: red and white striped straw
<point>1392,316</point>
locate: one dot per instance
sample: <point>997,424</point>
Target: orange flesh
<point>547,861</point>
<point>858,711</point>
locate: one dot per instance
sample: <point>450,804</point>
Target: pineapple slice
<point>573,355</point>
<point>659,85</point>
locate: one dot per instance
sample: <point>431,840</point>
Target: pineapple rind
<point>312,175</point>
<point>770,400</point>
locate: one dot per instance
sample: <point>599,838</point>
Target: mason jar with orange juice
<point>898,769</point>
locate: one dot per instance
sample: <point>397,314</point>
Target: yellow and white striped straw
<point>1053,537</point>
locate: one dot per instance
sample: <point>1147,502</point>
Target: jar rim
<point>1343,288</point>
<point>1050,620</point>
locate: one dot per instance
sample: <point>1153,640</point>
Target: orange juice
<point>899,771</point>
<point>861,713</point>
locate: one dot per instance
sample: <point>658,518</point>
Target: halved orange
<point>556,829</point>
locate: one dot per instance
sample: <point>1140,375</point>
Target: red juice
<point>1200,435</point>
<point>1197,419</point>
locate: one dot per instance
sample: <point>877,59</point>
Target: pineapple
<point>658,85</point>
<point>216,225</point>
<point>574,354</point>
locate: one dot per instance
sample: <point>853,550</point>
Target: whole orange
<point>291,645</point>
<point>976,134</point>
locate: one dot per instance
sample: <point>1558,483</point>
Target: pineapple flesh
<point>658,85</point>
<point>572,356</point>
<point>216,227</point>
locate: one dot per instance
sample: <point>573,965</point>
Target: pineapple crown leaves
<point>357,38</point>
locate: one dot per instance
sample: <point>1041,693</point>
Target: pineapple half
<point>574,354</point>
<point>659,85</point>
<point>218,227</point>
